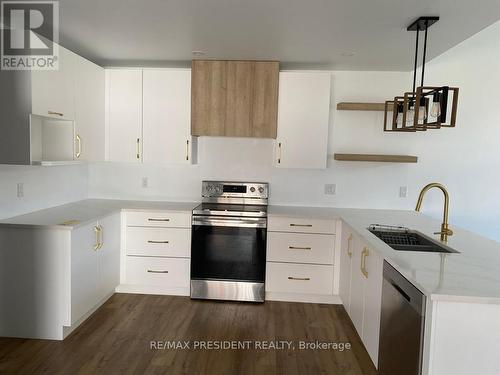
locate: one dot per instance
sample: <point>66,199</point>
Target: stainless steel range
<point>228,247</point>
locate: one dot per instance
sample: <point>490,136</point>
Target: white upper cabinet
<point>53,91</point>
<point>303,120</point>
<point>124,114</point>
<point>167,116</point>
<point>89,111</point>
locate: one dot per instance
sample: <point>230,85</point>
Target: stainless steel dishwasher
<point>401,326</point>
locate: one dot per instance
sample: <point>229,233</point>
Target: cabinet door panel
<point>209,98</point>
<point>303,120</point>
<point>89,111</point>
<point>357,305</point>
<point>373,304</point>
<point>84,271</point>
<point>346,253</point>
<point>109,255</point>
<point>265,100</point>
<point>125,114</point>
<point>53,91</point>
<point>167,115</point>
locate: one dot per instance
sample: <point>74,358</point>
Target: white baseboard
<point>150,289</point>
<point>306,298</point>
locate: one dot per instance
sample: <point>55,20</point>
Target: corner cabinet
<point>303,120</point>
<point>167,116</point>
<point>234,98</point>
<point>361,276</point>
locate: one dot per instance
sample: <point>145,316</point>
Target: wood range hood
<point>232,98</point>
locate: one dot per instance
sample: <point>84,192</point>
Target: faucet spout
<point>445,230</point>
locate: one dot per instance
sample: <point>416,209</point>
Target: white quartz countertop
<point>81,212</point>
<point>472,275</point>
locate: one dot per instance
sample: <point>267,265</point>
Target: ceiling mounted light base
<point>422,22</point>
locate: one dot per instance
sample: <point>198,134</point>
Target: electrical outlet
<point>403,191</point>
<point>330,189</point>
<point>145,182</point>
<point>20,190</point>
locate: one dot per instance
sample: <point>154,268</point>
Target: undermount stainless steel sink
<point>404,239</point>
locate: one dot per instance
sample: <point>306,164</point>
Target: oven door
<point>228,248</point>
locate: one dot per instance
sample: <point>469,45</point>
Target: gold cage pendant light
<point>425,107</point>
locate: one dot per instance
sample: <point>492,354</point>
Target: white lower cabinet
<point>361,277</point>
<point>152,271</point>
<point>300,259</point>
<point>156,253</point>
<point>95,265</point>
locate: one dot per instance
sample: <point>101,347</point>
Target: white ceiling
<point>299,33</point>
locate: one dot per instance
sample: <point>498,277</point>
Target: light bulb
<point>410,116</point>
<point>436,106</point>
<point>435,110</point>
<point>399,120</point>
<point>422,114</point>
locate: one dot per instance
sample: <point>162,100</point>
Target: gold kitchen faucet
<point>445,230</point>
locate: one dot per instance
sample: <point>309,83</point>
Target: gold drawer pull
<point>79,146</point>
<point>153,271</point>
<point>158,219</point>
<point>138,151</point>
<point>187,150</point>
<point>151,241</point>
<point>301,225</point>
<point>364,254</point>
<point>299,248</point>
<point>299,278</point>
<point>55,113</point>
<point>279,157</point>
<point>98,237</point>
<point>349,245</point>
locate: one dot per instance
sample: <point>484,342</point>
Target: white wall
<point>43,187</point>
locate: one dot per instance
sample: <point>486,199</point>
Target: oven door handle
<point>224,221</point>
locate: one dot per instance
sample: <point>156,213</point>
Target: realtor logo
<point>29,35</point>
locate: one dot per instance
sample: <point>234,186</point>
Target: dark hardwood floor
<point>117,338</point>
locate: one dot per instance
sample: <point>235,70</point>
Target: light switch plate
<point>145,182</point>
<point>330,189</point>
<point>403,191</point>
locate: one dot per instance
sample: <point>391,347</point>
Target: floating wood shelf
<point>347,106</point>
<point>376,158</point>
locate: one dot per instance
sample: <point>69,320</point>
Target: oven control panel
<point>216,189</point>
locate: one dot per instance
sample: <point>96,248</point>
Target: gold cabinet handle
<point>97,232</point>
<point>152,241</point>
<point>364,254</point>
<point>349,245</point>
<point>187,150</point>
<point>299,248</point>
<point>158,219</point>
<point>153,271</point>
<point>299,278</point>
<point>279,153</point>
<point>55,113</point>
<point>301,225</point>
<point>138,154</point>
<point>78,146</point>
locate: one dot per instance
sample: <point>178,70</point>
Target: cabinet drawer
<point>161,242</point>
<point>301,225</point>
<point>164,272</point>
<point>300,248</point>
<point>299,278</point>
<point>159,219</point>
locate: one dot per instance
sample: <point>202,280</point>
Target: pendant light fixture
<point>425,107</point>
